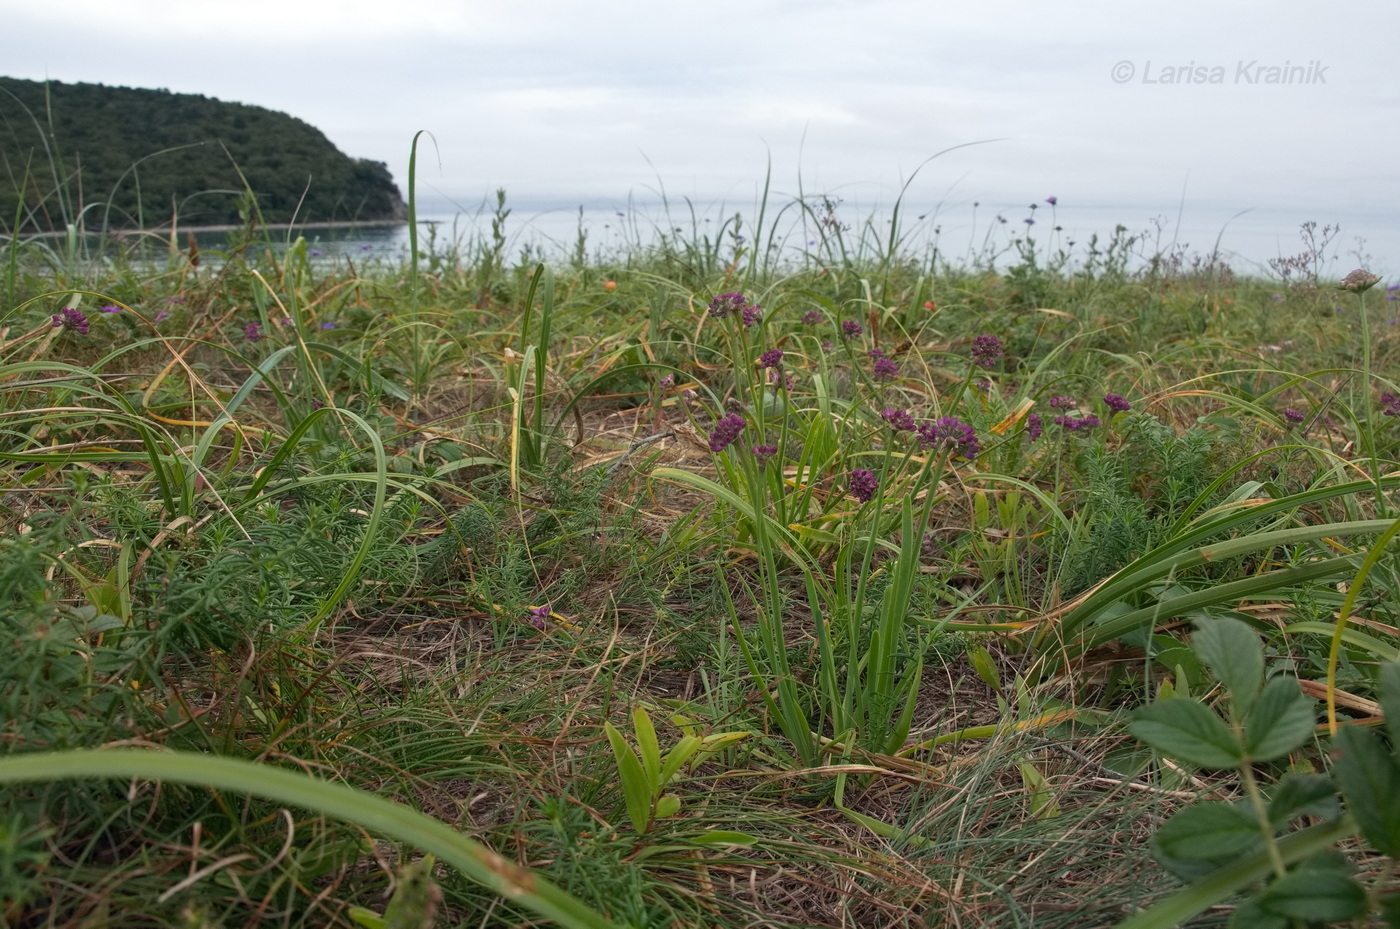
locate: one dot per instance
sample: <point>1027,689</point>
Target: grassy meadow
<point>752,578</point>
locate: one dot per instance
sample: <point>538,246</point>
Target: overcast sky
<point>562,103</point>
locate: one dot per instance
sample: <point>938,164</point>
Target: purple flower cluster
<point>773,358</point>
<point>1116,403</point>
<point>726,431</point>
<point>1293,416</point>
<point>71,318</point>
<point>884,367</point>
<point>725,304</point>
<point>1390,405</point>
<point>898,419</point>
<point>950,431</point>
<point>850,329</point>
<point>1063,402</point>
<point>812,317</point>
<point>109,308</point>
<point>667,382</point>
<point>1078,423</point>
<point>987,350</point>
<point>1034,427</point>
<point>253,333</point>
<point>863,484</point>
<point>763,452</point>
<point>538,615</point>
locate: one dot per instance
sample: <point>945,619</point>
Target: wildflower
<point>812,317</point>
<point>863,484</point>
<point>987,350</point>
<point>1076,423</point>
<point>667,382</point>
<point>763,452</point>
<point>826,345</point>
<point>161,316</point>
<point>610,286</point>
<point>1292,415</point>
<point>773,358</point>
<point>725,304</point>
<point>750,315</point>
<point>71,318</point>
<point>777,378</point>
<point>930,305</point>
<point>885,368</point>
<point>1028,221</point>
<point>930,547</point>
<point>109,309</point>
<point>538,614</point>
<point>1390,405</point>
<point>315,253</point>
<point>850,329</point>
<point>687,397</point>
<point>726,431</point>
<point>327,325</point>
<point>253,333</point>
<point>1052,200</point>
<point>1358,281</point>
<point>316,404</point>
<point>1063,402</point>
<point>1116,403</point>
<point>950,431</point>
<point>898,420</point>
<point>1033,426</point>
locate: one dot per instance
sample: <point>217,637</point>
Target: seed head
<point>1358,281</point>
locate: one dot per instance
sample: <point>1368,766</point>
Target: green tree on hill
<point>127,158</point>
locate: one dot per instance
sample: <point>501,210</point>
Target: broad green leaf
<point>1370,780</point>
<point>1315,896</point>
<point>1187,730</point>
<point>725,837</point>
<point>679,754</point>
<point>1250,915</point>
<point>1043,803</point>
<point>1303,795</point>
<point>1233,652</point>
<point>985,667</point>
<point>668,805</point>
<point>634,779</point>
<point>648,748</point>
<point>1282,719</point>
<point>1208,832</point>
<point>1390,699</point>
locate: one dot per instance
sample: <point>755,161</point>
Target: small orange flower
<point>930,305</point>
<point>610,285</point>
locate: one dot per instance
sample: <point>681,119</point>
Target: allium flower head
<point>71,318</point>
<point>1078,423</point>
<point>750,315</point>
<point>725,304</point>
<point>850,329</point>
<point>1034,427</point>
<point>773,358</point>
<point>726,431</point>
<point>1052,200</point>
<point>987,350</point>
<point>1390,405</point>
<point>763,452</point>
<point>667,382</point>
<point>863,484</point>
<point>1063,402</point>
<point>1358,281</point>
<point>952,432</point>
<point>885,368</point>
<point>1293,416</point>
<point>812,317</point>
<point>898,420</point>
<point>1116,403</point>
<point>253,333</point>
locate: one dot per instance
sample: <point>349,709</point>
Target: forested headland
<point>125,158</point>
